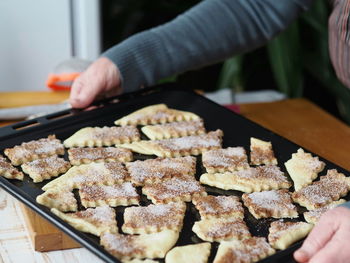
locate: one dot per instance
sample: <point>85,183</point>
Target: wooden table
<point>296,119</point>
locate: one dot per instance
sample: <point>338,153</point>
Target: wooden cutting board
<point>44,236</point>
<point>297,119</point>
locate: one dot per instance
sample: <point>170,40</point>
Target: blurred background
<point>39,34</point>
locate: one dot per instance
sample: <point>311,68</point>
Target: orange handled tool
<point>65,73</point>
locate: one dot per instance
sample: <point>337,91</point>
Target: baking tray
<point>237,132</point>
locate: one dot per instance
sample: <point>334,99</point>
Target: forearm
<point>210,32</point>
<point>347,205</point>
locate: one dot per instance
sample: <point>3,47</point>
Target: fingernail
<point>302,253</point>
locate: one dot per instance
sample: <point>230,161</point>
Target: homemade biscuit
<point>275,203</point>
<point>105,136</point>
<point>329,188</point>
<point>261,152</point>
<point>174,129</point>
<point>176,147</point>
<point>303,168</point>
<point>93,220</point>
<point>155,114</point>
<point>283,234</point>
<point>36,149</point>
<point>253,179</point>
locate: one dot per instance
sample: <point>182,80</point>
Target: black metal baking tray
<point>237,132</point>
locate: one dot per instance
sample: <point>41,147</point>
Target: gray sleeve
<point>207,33</point>
<point>347,205</point>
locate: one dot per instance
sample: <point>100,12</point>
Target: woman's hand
<point>329,240</point>
<point>101,79</point>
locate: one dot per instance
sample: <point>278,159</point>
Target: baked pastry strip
<point>60,198</point>
<point>155,170</point>
<point>221,229</point>
<point>261,152</point>
<point>8,171</point>
<point>154,218</point>
<point>36,149</point>
<point>105,136</point>
<point>274,203</point>
<point>329,188</point>
<point>303,168</point>
<point>46,168</point>
<point>123,194</point>
<point>190,145</point>
<point>211,207</point>
<point>155,114</point>
<point>90,174</point>
<point>93,220</point>
<point>176,189</point>
<point>78,156</point>
<point>174,129</point>
<point>248,250</point>
<point>283,234</point>
<point>253,179</point>
<point>225,160</point>
<point>313,216</point>
<point>198,253</point>
<point>126,247</point>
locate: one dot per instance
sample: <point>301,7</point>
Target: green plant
<point>292,55</point>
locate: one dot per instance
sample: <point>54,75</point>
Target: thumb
<point>82,92</point>
<point>318,238</point>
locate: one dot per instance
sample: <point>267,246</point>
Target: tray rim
<point>10,130</point>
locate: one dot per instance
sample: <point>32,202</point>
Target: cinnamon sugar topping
<point>275,203</point>
<point>314,215</point>
<point>8,171</point>
<point>205,141</point>
<point>174,129</point>
<point>221,229</point>
<point>229,159</point>
<point>283,234</point>
<point>114,195</point>
<point>93,174</point>
<point>263,173</point>
<point>153,218</point>
<point>219,206</point>
<point>177,188</point>
<point>320,193</point>
<point>153,170</point>
<point>253,179</point>
<point>115,133</point>
<point>99,214</point>
<point>248,250</point>
<point>105,136</point>
<point>154,114</point>
<point>45,168</point>
<point>261,152</point>
<point>154,245</point>
<point>61,198</point>
<point>29,151</point>
<point>121,245</point>
<point>86,155</point>
<point>93,220</point>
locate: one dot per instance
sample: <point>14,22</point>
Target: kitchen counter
<point>299,120</point>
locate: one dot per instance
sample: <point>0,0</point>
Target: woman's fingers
<point>323,235</point>
<point>102,77</point>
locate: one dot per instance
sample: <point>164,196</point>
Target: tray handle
<point>22,125</point>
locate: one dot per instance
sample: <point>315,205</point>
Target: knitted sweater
<point>210,32</point>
